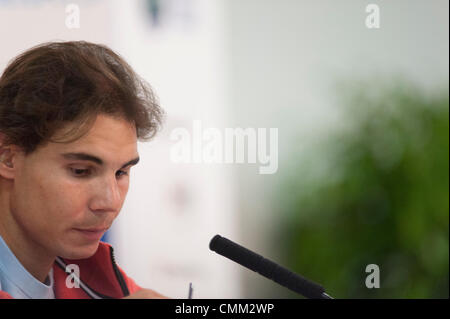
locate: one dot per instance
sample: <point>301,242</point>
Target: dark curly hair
<point>59,83</point>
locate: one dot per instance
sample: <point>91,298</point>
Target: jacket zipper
<point>119,276</point>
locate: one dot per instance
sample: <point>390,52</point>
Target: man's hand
<point>146,294</point>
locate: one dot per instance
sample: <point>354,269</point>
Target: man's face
<point>65,196</point>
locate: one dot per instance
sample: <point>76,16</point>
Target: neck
<point>33,257</point>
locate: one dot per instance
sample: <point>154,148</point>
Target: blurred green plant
<point>374,192</point>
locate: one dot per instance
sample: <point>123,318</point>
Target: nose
<point>107,196</point>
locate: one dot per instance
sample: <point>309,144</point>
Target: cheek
<point>124,188</point>
<point>53,199</point>
<point>67,199</point>
<point>45,206</point>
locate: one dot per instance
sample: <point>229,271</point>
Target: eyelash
<point>74,170</point>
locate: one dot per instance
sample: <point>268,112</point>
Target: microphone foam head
<point>215,242</point>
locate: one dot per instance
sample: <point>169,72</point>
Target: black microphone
<point>267,268</point>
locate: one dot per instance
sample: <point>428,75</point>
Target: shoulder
<point>5,295</point>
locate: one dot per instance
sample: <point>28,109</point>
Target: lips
<point>92,233</point>
<point>94,230</point>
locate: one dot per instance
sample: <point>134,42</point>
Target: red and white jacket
<point>100,277</point>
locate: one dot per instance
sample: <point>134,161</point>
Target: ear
<point>8,157</point>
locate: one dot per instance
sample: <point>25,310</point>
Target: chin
<point>80,252</point>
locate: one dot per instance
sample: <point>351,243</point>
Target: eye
<point>80,172</point>
<point>121,173</point>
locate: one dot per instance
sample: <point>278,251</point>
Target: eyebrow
<point>95,159</point>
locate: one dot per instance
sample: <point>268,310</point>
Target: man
<point>70,117</point>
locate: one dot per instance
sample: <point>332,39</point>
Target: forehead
<point>110,138</point>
